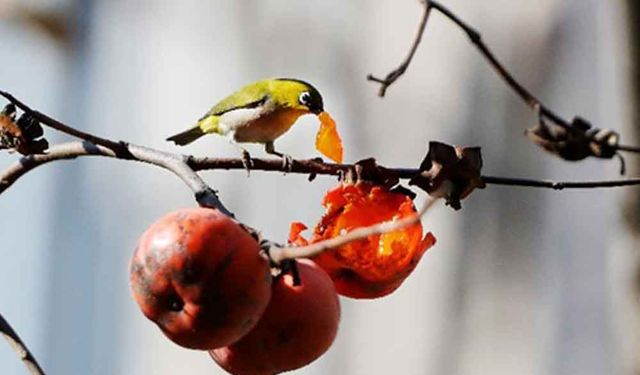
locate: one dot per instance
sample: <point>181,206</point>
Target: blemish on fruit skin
<point>138,281</point>
<point>225,262</point>
<point>136,269</point>
<point>188,275</point>
<point>285,335</point>
<point>150,263</point>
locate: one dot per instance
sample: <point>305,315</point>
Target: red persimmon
<point>200,277</point>
<point>298,326</point>
<point>375,266</point>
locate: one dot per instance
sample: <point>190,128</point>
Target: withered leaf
<point>577,142</point>
<point>23,135</point>
<point>450,172</point>
<point>368,170</point>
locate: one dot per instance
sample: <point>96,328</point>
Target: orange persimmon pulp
<point>328,140</point>
<point>375,266</point>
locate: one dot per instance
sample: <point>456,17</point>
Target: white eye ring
<point>305,98</point>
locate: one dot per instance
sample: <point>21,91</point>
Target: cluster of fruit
<point>203,279</point>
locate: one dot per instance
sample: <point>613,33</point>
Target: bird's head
<point>299,95</point>
<point>302,96</point>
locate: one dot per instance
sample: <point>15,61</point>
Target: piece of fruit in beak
<point>328,140</point>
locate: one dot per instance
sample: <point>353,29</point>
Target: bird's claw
<point>247,162</point>
<point>287,163</point>
<point>287,160</point>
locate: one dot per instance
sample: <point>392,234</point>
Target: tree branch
<point>19,347</point>
<point>177,164</point>
<point>400,70</point>
<point>475,37</point>
<point>185,167</point>
<point>560,185</point>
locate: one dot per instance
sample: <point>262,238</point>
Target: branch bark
<point>185,167</point>
<point>177,164</point>
<point>19,347</point>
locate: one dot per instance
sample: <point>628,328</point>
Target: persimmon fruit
<point>328,140</point>
<point>298,326</point>
<point>200,277</point>
<point>375,266</point>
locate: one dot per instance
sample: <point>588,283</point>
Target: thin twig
<point>278,254</point>
<point>400,70</point>
<point>560,185</point>
<point>476,39</point>
<point>20,347</point>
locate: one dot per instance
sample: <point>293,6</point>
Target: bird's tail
<point>188,136</point>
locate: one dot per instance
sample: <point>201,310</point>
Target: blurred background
<point>521,281</point>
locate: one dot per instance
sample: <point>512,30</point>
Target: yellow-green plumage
<point>259,112</point>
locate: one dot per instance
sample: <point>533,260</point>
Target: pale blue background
<point>521,281</point>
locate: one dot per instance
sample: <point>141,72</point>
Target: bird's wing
<point>244,99</point>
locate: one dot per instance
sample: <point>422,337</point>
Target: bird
<point>261,112</point>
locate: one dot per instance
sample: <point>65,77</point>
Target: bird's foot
<point>287,163</point>
<point>287,160</point>
<point>247,162</point>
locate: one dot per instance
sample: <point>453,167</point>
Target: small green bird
<point>260,113</point>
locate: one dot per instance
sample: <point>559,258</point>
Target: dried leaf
<point>10,133</point>
<point>368,170</point>
<point>22,134</point>
<point>578,142</point>
<point>450,172</point>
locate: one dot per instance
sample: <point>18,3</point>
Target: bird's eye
<point>305,98</point>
